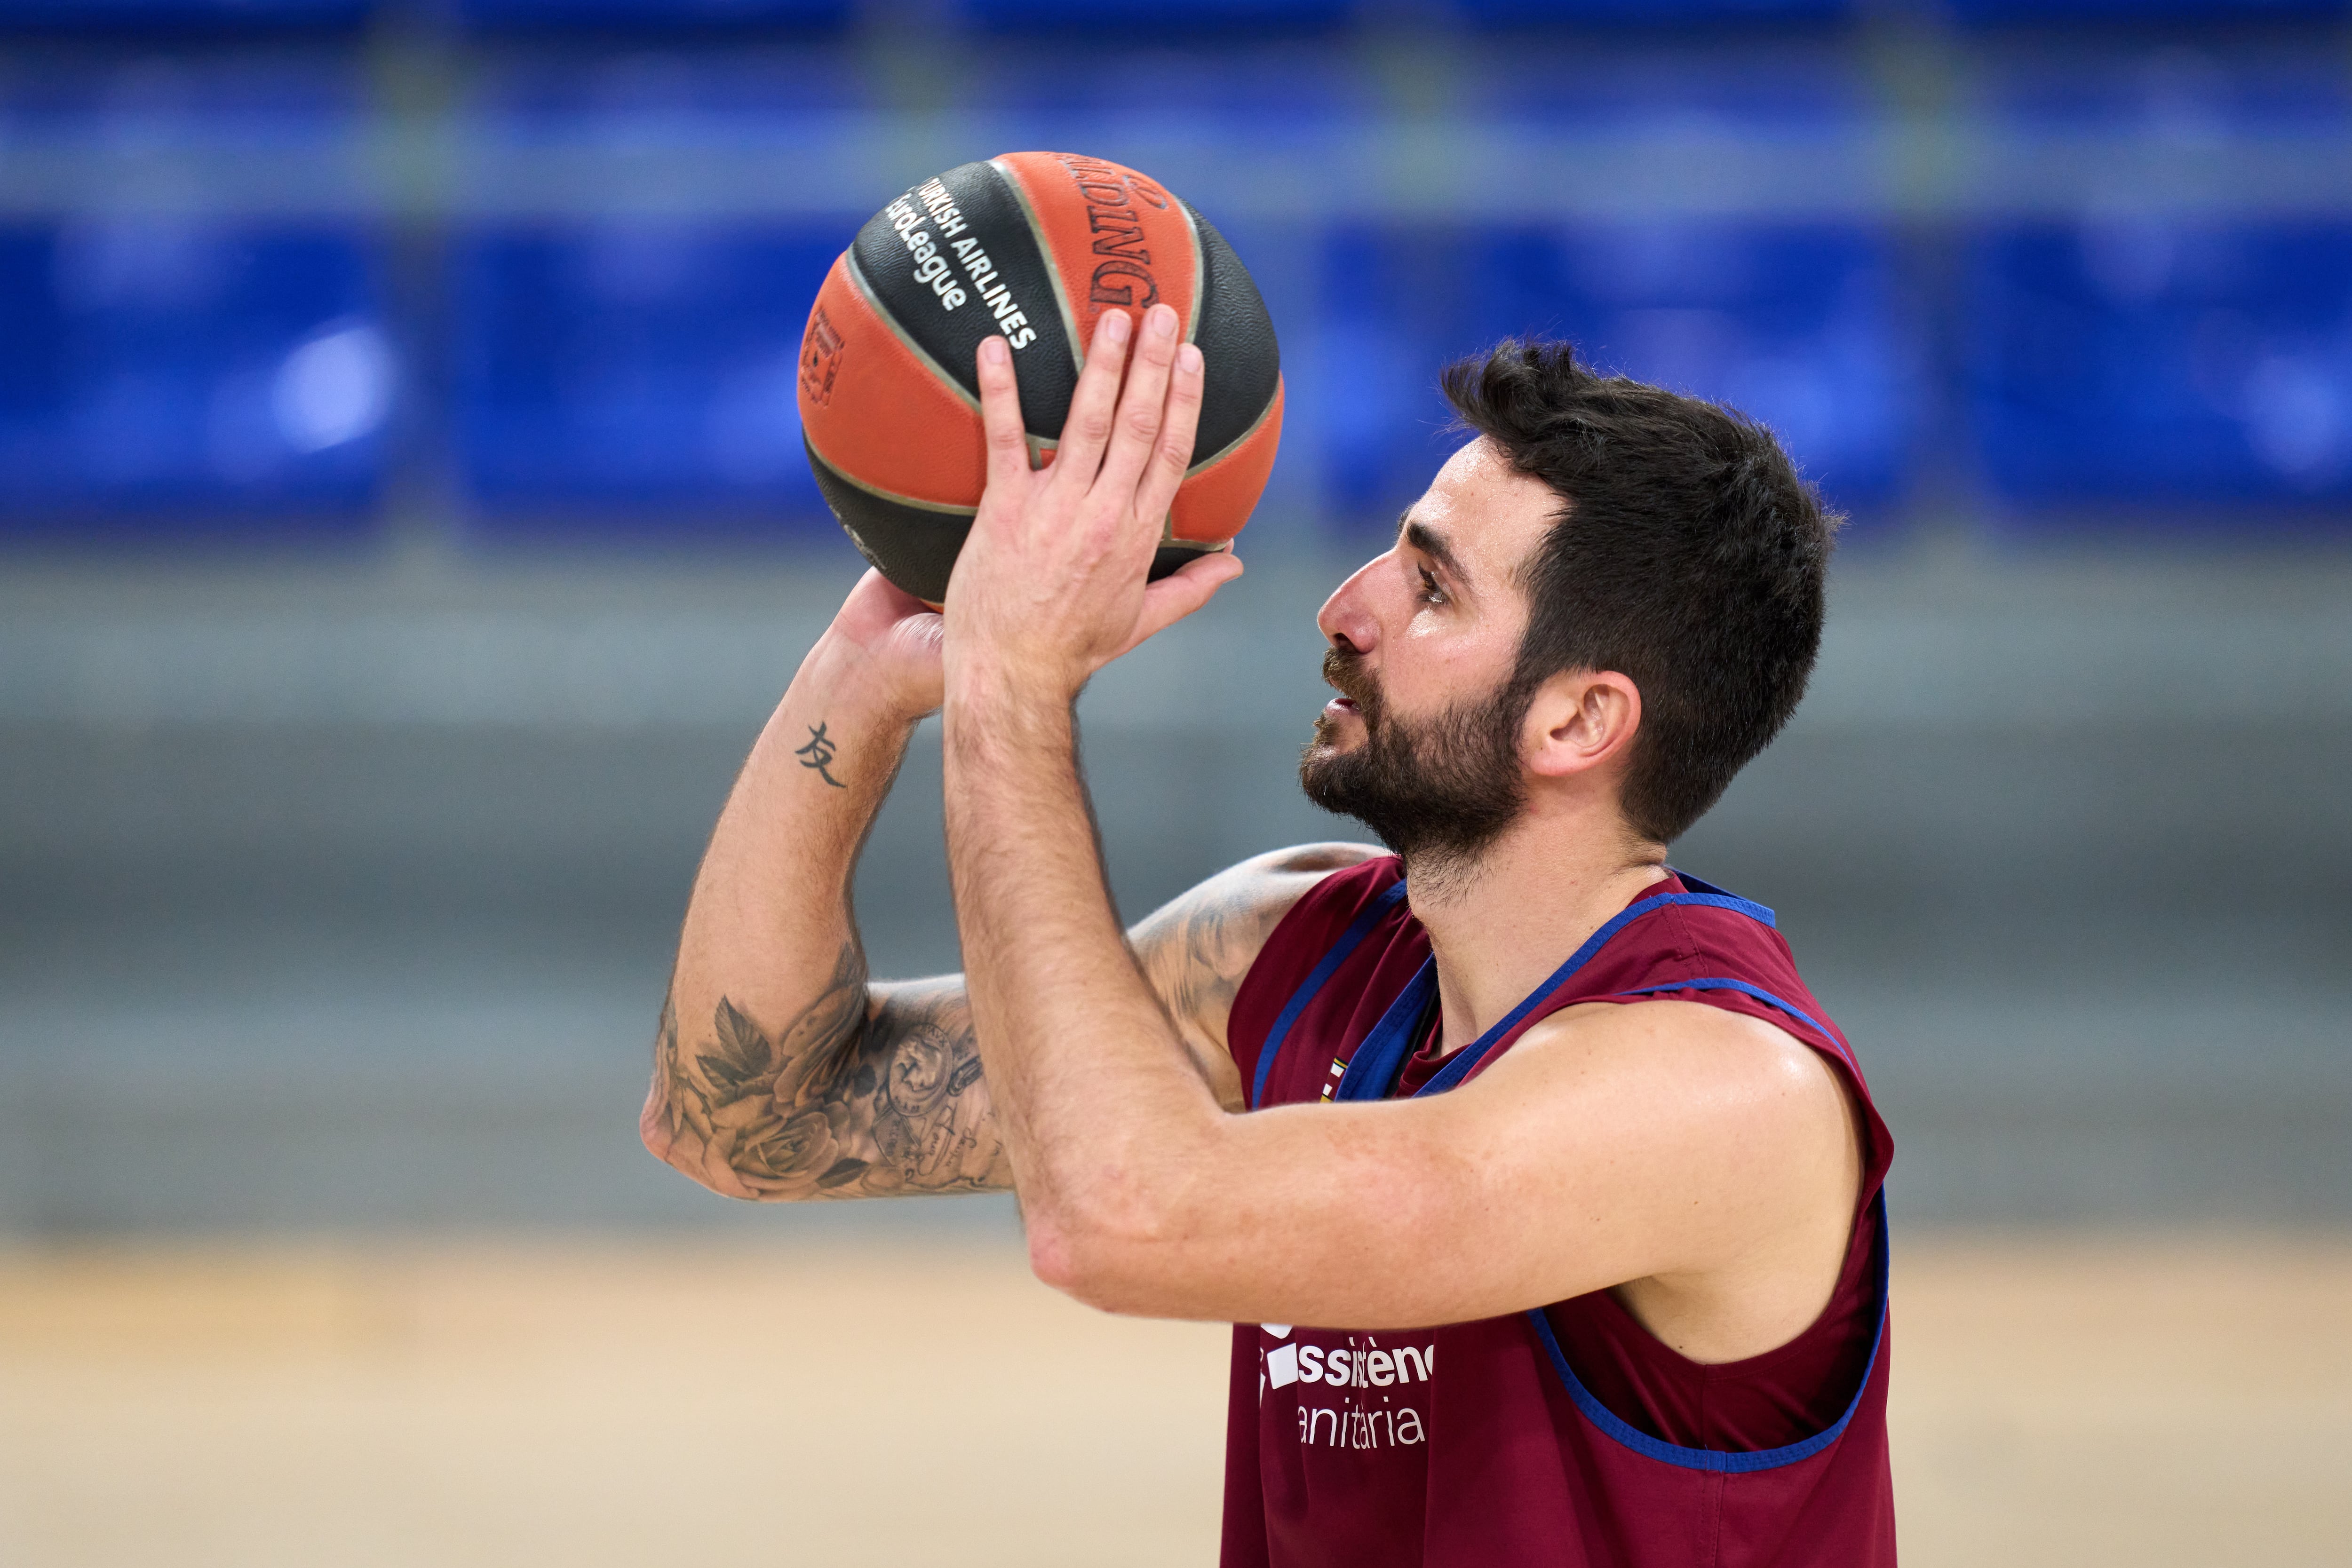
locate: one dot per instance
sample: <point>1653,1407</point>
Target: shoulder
<point>1252,896</point>
<point>1686,1069</point>
<point>1195,949</point>
<point>1667,1024</point>
<point>1718,1137</point>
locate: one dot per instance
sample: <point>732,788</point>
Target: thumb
<point>1177,595</point>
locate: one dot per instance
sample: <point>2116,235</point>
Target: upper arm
<point>1616,1143</point>
<point>1195,949</point>
<point>876,1090</point>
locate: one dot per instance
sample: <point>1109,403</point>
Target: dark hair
<point>1689,556</point>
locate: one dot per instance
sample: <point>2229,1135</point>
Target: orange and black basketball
<point>1035,246</point>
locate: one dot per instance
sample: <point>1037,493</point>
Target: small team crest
<point>820,359</point>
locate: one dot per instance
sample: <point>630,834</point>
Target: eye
<point>1430,593</point>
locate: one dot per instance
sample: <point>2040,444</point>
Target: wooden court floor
<point>2057,1400</point>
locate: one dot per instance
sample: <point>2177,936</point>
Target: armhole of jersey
<point>1718,1460</point>
<point>1298,942</point>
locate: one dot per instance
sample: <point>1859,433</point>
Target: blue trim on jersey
<point>1641,1443</point>
<point>1382,1053</point>
<point>1380,1057</point>
<point>1349,940</point>
<point>1762,913</point>
<point>1835,1041</point>
<point>1467,1060</point>
<point>1761,995</point>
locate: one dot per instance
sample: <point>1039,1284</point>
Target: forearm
<point>773,1049</point>
<point>1100,1107</point>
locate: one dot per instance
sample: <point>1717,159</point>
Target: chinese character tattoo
<point>818,754</point>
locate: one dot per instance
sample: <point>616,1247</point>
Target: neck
<point>1498,928</point>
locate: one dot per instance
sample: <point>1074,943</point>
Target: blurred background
<point>404,528</point>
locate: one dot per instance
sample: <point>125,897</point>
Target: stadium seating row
<point>1190,15</point>
<point>2155,88</point>
<point>1269,96</point>
<point>170,378</point>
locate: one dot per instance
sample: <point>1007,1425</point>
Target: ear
<point>1580,720</point>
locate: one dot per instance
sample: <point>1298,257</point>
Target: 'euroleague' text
<point>930,267</point>
<point>931,264</point>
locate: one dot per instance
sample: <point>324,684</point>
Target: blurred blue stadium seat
<point>632,374</point>
<point>1800,324</point>
<point>1802,327</point>
<point>172,373</point>
<point>164,378</point>
<point>1159,16</point>
<point>184,15</point>
<point>2134,357</point>
<point>635,377</point>
<point>1648,13</point>
<point>644,97</point>
<point>1751,89</point>
<point>184,103</point>
<point>653,16</point>
<point>695,129</point>
<point>1212,115</point>
<point>1995,13</point>
<point>2170,93</point>
<point>2147,362</point>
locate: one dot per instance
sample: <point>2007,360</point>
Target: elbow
<point>654,1130</point>
<point>663,1145</point>
<point>1129,1219</point>
<point>687,1155</point>
<point>1117,1246</point>
<point>662,1142</point>
<point>1053,1257</point>
<point>1082,1264</point>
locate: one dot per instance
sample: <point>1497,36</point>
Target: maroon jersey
<point>1568,1434</point>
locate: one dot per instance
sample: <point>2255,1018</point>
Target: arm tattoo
<point>1197,951</point>
<point>861,1096</point>
<point>818,754</point>
<point>1202,952</point>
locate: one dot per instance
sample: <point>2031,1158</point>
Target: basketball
<point>1035,246</point>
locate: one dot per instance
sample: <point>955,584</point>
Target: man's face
<point>1422,745</point>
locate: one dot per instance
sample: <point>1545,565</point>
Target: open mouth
<point>1339,675</point>
<point>1342,708</point>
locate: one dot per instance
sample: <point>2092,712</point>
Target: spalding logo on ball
<point>1035,246</point>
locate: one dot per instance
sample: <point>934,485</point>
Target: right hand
<point>895,638</point>
<point>1052,582</point>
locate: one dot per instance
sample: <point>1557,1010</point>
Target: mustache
<point>1345,673</point>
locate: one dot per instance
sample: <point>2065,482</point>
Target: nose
<point>1346,620</point>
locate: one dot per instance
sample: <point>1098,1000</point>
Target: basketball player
<point>1543,1195</point>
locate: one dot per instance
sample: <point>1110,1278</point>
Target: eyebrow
<point>1431,543</point>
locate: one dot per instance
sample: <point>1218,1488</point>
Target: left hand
<point>892,637</point>
<point>1050,585</point>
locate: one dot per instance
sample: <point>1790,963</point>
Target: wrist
<point>841,721</point>
<point>843,675</point>
<point>986,698</point>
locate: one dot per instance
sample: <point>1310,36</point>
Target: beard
<point>1438,791</point>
